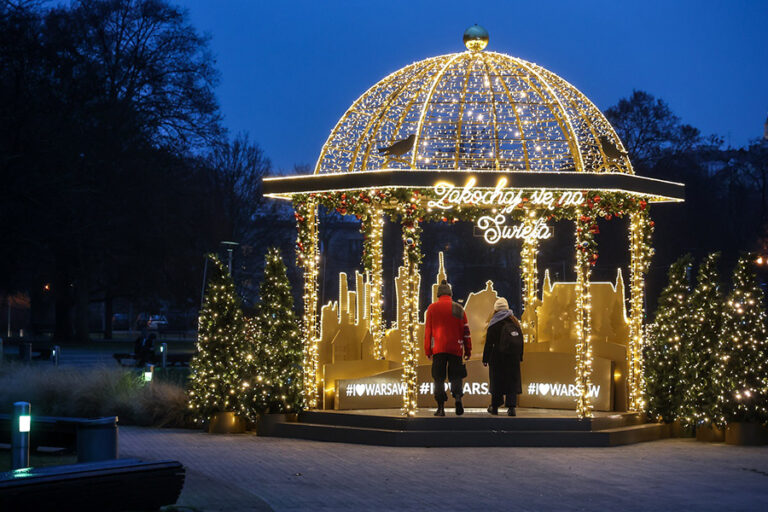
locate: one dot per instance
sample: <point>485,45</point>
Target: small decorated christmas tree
<point>665,344</point>
<point>744,343</point>
<point>276,369</point>
<point>217,367</point>
<point>701,354</point>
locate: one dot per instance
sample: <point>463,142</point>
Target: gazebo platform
<point>531,427</point>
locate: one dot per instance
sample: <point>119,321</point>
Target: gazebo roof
<point>476,113</point>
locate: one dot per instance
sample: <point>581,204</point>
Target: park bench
<point>40,349</point>
<point>126,359</point>
<point>124,484</point>
<point>91,438</point>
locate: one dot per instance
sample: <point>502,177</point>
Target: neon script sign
<point>494,227</point>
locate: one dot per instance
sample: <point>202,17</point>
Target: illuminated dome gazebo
<point>483,137</point>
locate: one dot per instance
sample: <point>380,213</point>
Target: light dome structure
<point>474,110</point>
<point>483,137</point>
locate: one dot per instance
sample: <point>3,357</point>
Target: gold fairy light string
<point>584,260</point>
<point>529,271</point>
<point>640,230</point>
<point>308,258</point>
<point>375,270</point>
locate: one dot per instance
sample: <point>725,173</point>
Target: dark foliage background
<point>118,175</point>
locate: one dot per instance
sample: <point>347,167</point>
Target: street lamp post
<point>230,249</point>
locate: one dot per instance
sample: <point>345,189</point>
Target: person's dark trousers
<point>498,399</point>
<point>501,386</point>
<point>447,365</point>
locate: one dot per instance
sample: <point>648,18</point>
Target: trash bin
<point>25,351</point>
<point>97,439</point>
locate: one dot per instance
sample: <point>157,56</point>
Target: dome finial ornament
<point>475,38</point>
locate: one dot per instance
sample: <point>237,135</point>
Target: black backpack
<point>511,339</point>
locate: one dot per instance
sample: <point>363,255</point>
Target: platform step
<point>467,438</point>
<point>470,423</point>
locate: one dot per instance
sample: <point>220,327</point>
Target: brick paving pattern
<point>251,473</point>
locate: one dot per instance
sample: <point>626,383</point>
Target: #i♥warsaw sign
<point>547,381</point>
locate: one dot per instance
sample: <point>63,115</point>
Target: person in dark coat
<point>502,355</point>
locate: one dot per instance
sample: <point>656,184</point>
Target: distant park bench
<point>126,359</point>
<point>92,438</point>
<point>162,334</point>
<point>127,484</point>
<point>40,349</point>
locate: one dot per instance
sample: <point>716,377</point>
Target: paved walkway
<point>250,473</point>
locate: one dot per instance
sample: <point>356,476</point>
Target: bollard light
<point>148,371</point>
<point>20,435</point>
<point>55,355</point>
<point>163,353</point>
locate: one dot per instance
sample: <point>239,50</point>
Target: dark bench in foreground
<point>127,484</point>
<point>92,438</point>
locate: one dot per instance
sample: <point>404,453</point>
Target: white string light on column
<point>529,272</point>
<point>308,259</point>
<point>585,257</point>
<point>640,231</point>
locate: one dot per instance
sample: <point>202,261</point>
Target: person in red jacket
<point>446,340</point>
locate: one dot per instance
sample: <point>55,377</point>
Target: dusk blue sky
<point>289,69</point>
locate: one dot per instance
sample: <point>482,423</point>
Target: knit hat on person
<point>444,289</point>
<point>501,304</point>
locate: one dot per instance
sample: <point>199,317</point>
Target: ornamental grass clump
<point>93,392</point>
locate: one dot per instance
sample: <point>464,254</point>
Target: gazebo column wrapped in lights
<point>481,137</point>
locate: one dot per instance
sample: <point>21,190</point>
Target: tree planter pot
<point>710,434</point>
<point>267,422</point>
<point>677,429</point>
<point>226,423</point>
<point>746,434</point>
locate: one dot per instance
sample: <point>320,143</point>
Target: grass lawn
<point>37,459</point>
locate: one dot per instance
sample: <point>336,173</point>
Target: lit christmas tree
<point>744,343</point>
<point>276,369</point>
<point>700,358</point>
<point>665,339</point>
<point>217,368</point>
